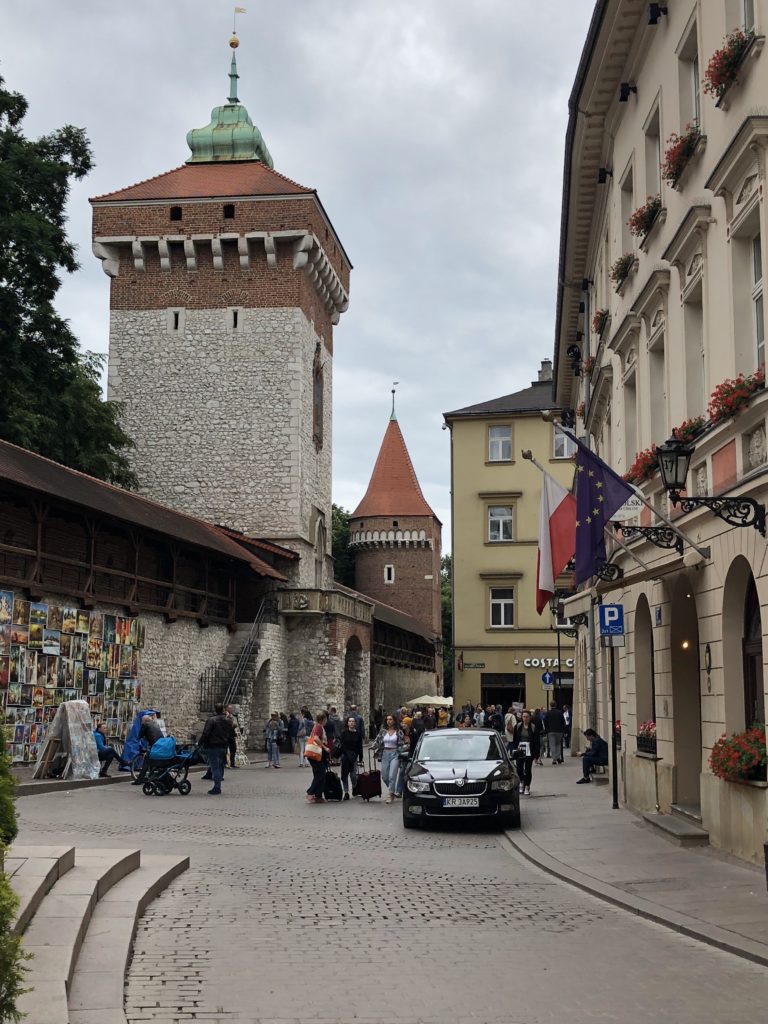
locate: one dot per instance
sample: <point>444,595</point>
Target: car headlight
<point>505,785</point>
<point>415,786</point>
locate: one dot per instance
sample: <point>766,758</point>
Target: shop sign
<point>474,664</point>
<point>547,663</point>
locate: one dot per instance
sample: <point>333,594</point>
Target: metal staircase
<point>221,683</point>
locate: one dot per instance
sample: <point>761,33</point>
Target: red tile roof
<point>207,181</point>
<point>394,489</point>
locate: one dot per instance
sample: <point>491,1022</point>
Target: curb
<point>62,785</point>
<point>711,935</point>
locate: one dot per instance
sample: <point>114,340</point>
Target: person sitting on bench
<point>106,753</point>
<point>595,756</point>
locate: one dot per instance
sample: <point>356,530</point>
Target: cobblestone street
<point>293,913</point>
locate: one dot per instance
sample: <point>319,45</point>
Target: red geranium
<point>724,64</point>
<point>680,149</point>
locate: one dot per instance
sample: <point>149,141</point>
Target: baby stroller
<point>169,766</point>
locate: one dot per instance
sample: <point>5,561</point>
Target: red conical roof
<point>394,489</point>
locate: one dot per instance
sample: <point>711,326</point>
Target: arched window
<point>752,645</point>
<point>645,680</point>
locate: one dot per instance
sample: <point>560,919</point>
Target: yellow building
<point>503,647</point>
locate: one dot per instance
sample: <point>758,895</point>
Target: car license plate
<point>461,801</point>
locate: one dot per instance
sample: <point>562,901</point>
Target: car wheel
<point>509,820</point>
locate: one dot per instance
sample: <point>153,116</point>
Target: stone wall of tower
<point>223,419</point>
<point>416,587</point>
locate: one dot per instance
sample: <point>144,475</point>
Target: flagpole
<point>528,455</point>
<point>704,552</point>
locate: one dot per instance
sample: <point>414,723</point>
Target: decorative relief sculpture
<point>756,447</point>
<point>702,483</point>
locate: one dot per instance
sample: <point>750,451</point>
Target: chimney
<point>545,373</point>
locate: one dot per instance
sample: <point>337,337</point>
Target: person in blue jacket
<point>596,755</point>
<point>107,753</point>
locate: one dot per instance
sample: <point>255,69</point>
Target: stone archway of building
<point>356,685</point>
<point>742,648</point>
<point>686,694</point>
<point>645,677</point>
<point>260,708</point>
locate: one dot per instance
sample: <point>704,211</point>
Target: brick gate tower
<point>396,537</point>
<point>226,281</point>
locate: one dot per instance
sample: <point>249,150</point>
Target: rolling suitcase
<point>369,783</point>
<point>332,786</point>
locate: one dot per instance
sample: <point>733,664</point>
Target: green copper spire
<point>231,135</point>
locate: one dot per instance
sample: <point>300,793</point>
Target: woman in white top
<point>510,721</point>
<point>387,746</point>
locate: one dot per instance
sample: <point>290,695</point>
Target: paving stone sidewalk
<point>573,832</point>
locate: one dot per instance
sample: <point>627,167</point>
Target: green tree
<point>343,558</point>
<point>11,955</point>
<point>446,605</point>
<point>51,400</point>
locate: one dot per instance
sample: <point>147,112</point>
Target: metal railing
<point>217,684</point>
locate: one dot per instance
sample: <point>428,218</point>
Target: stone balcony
<point>324,602</point>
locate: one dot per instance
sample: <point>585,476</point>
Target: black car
<point>461,773</point>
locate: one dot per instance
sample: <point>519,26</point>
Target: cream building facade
<point>503,647</point>
<point>649,326</point>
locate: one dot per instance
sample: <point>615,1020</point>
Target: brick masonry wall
<point>416,590</point>
<point>222,419</point>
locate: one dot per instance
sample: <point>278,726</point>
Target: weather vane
<point>238,10</point>
<point>394,385</point>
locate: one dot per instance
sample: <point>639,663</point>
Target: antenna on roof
<point>394,385</point>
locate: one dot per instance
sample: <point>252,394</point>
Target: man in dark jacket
<point>596,755</point>
<point>150,731</point>
<point>555,723</point>
<point>217,733</point>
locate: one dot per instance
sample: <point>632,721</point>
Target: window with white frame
<point>499,523</point>
<point>500,444</point>
<point>689,79</point>
<point>564,445</point>
<point>389,574</point>
<point>502,607</point>
<point>653,154</point>
<point>758,318</point>
<point>749,16</point>
<point>627,209</point>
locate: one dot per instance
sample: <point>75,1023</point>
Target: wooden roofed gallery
<point>66,533</point>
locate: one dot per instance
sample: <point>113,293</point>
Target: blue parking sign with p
<point>611,619</point>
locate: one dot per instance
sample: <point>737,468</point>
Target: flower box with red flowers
<point>690,429</point>
<point>621,268</point>
<point>734,394</point>
<point>646,737</point>
<point>580,410</point>
<point>588,366</point>
<point>740,757</point>
<point>644,467</point>
<point>599,321</point>
<point>723,67</point>
<point>644,217</point>
<point>679,152</point>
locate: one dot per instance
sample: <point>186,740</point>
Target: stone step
<point>57,930</point>
<point>33,871</point>
<point>688,813</point>
<point>678,830</point>
<point>97,990</point>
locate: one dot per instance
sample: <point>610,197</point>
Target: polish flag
<point>557,538</point>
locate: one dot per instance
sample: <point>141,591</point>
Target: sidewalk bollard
<point>765,854</point>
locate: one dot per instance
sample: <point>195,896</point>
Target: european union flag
<point>600,493</point>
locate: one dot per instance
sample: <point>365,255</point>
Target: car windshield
<point>435,747</point>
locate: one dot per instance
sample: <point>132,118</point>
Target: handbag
<point>313,749</point>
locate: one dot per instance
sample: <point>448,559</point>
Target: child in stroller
<point>169,766</point>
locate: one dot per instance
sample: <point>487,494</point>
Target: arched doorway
<point>355,684</point>
<point>645,678</point>
<point>742,648</point>
<point>686,694</point>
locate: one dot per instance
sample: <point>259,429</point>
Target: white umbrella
<point>434,702</point>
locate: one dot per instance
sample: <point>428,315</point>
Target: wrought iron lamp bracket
<point>661,536</point>
<point>608,572</point>
<point>739,511</point>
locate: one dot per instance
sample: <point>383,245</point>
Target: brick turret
<point>396,537</point>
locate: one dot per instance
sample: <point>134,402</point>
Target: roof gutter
<point>598,15</point>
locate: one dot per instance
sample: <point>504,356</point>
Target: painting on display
<point>50,654</point>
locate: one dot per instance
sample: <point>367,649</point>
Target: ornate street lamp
<point>674,458</point>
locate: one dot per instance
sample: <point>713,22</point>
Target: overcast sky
<point>432,129</point>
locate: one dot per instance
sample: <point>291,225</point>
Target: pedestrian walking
<point>232,749</point>
<point>538,721</point>
<point>351,743</point>
<point>510,721</point>
<point>150,732</point>
<point>526,747</point>
<point>317,750</point>
<point>555,722</point>
<point>274,730</point>
<point>567,733</point>
<point>217,733</point>
<point>353,710</point>
<point>387,746</point>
